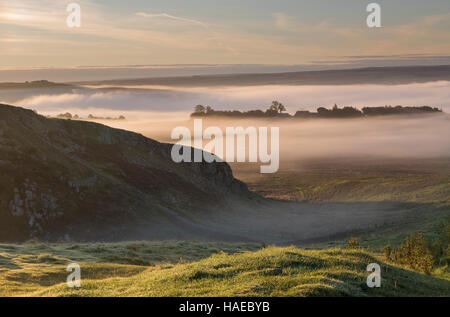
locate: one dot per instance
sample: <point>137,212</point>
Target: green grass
<point>375,239</point>
<point>29,267</point>
<point>203,269</point>
<point>404,188</point>
<point>355,186</point>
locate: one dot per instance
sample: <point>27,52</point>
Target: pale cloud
<point>112,38</point>
<point>214,36</point>
<point>118,34</point>
<point>434,19</point>
<point>172,17</point>
<point>283,22</point>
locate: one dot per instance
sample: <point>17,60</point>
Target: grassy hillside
<point>165,269</point>
<point>66,180</point>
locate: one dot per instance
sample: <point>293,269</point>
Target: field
<point>422,181</point>
<point>411,184</point>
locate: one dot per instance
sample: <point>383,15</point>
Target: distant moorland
<point>370,75</point>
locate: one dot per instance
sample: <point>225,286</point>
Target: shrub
<point>353,243</point>
<point>415,254</point>
<point>387,250</point>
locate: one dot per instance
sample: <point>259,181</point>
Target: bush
<point>353,243</point>
<point>387,250</point>
<point>415,254</point>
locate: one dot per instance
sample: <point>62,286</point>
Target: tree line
<point>277,109</point>
<point>69,116</point>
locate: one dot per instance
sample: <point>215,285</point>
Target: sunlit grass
<point>355,186</point>
<point>203,269</point>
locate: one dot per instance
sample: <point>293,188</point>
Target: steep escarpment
<point>62,179</point>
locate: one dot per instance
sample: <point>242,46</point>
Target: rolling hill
<point>174,269</point>
<point>70,179</point>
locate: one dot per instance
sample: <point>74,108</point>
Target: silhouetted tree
<point>199,109</point>
<point>277,106</point>
<point>66,115</point>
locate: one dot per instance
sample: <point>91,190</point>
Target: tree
<point>66,115</point>
<point>277,106</point>
<point>199,109</point>
<point>209,109</point>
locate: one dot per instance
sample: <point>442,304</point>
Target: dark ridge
<point>371,75</point>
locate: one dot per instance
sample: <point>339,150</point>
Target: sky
<point>34,33</point>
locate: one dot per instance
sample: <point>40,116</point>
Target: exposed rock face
<point>37,208</point>
<point>64,178</point>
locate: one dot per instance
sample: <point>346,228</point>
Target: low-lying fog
<point>426,136</point>
<point>155,111</point>
<point>165,99</point>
